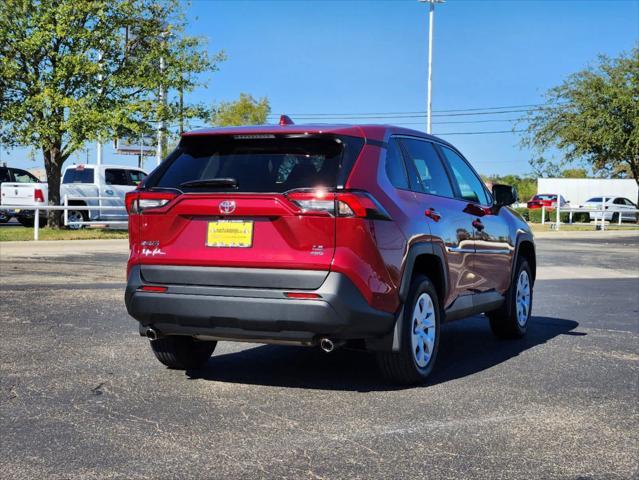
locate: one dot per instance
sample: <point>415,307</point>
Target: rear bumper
<point>257,314</point>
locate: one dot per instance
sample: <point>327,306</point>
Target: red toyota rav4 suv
<point>322,235</point>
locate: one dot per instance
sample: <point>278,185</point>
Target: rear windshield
<point>264,164</point>
<point>595,199</point>
<point>545,197</point>
<point>78,175</point>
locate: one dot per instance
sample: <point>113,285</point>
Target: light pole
<point>98,145</point>
<point>162,101</point>
<point>161,123</point>
<point>431,21</point>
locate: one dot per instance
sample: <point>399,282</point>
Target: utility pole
<point>98,145</point>
<point>431,22</point>
<point>161,123</point>
<point>162,99</point>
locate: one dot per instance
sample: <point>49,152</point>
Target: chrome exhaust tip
<point>327,345</point>
<point>152,334</point>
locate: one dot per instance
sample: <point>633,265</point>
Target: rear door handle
<point>478,225</point>
<point>431,213</point>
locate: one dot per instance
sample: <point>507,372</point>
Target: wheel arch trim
<point>416,250</point>
<point>527,238</point>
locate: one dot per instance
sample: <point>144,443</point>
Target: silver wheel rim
<point>523,298</point>
<point>75,216</point>
<point>424,330</point>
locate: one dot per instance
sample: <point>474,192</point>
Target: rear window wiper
<point>211,182</point>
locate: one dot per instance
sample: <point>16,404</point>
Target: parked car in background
<point>21,188</point>
<point>616,205</point>
<point>546,200</point>
<point>81,183</point>
<point>370,236</point>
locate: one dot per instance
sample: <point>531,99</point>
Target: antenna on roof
<point>286,120</point>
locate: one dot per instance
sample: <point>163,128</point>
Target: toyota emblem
<point>227,206</point>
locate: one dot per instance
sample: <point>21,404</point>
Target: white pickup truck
<point>21,189</point>
<point>82,183</point>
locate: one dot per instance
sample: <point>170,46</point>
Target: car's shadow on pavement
<point>466,347</point>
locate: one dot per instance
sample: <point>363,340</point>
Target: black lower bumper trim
<point>257,314</point>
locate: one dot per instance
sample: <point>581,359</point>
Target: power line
<point>480,121</point>
<point>526,107</point>
<point>478,133</point>
<point>393,116</point>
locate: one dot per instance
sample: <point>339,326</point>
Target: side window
<point>4,175</point>
<point>395,168</point>
<point>427,172</point>
<point>21,176</point>
<point>470,186</point>
<point>78,175</point>
<point>136,177</point>
<point>114,176</point>
<point>619,201</point>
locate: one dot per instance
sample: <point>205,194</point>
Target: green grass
<point>8,234</point>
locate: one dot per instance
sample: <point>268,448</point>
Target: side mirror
<point>504,195</point>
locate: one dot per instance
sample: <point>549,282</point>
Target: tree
<point>76,71</point>
<point>574,173</point>
<point>593,117</point>
<point>545,168</point>
<point>244,111</point>
<point>526,186</point>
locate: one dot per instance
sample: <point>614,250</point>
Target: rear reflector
<point>153,288</point>
<point>301,295</point>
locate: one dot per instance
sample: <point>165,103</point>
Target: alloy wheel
<point>523,298</point>
<point>424,330</point>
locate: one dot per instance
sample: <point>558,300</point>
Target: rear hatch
<point>243,202</point>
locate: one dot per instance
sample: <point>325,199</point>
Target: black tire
<point>615,218</point>
<point>4,217</point>
<point>79,213</point>
<point>29,222</point>
<point>504,321</point>
<point>26,221</point>
<point>182,353</point>
<point>401,367</point>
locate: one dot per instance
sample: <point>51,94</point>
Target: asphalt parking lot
<point>81,395</point>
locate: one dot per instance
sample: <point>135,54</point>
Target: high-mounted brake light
<point>38,195</point>
<point>139,201</point>
<point>286,120</point>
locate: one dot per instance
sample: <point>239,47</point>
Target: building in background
<point>579,190</point>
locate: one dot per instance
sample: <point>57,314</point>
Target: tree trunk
<point>53,161</point>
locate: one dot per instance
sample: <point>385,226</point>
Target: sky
<point>363,57</point>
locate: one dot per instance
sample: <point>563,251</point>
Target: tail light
<point>38,195</point>
<point>137,201</point>
<point>357,204</point>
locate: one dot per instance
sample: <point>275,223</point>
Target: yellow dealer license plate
<point>230,233</point>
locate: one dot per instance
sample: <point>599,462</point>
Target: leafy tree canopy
<point>244,111</point>
<point>74,71</point>
<point>592,117</point>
